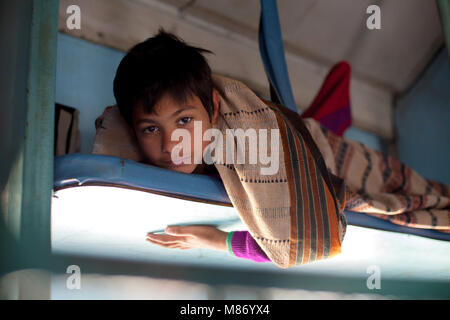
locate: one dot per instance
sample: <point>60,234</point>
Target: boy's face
<point>154,130</point>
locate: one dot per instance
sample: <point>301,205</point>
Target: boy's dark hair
<point>163,64</point>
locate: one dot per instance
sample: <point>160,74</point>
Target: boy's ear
<point>216,100</point>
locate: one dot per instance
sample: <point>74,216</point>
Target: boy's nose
<point>168,144</point>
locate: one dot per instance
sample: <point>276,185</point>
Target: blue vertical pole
<point>27,102</point>
<point>272,53</point>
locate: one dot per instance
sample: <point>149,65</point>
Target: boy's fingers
<point>165,238</point>
<point>171,245</point>
<point>185,230</point>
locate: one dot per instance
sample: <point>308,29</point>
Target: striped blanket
<point>296,214</point>
<point>382,186</point>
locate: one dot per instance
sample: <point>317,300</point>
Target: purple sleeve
<point>242,245</point>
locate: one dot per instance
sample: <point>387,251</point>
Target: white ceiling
<point>317,34</point>
<point>331,30</point>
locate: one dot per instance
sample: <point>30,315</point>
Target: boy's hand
<point>190,237</point>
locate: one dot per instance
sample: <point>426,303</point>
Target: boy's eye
<point>150,129</point>
<point>185,120</point>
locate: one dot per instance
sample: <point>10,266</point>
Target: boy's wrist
<point>228,242</point>
<point>220,240</point>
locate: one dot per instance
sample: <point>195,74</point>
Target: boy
<point>163,84</point>
<point>155,105</point>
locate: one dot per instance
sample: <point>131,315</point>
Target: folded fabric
<point>295,214</point>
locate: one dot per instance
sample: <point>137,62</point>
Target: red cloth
<point>331,106</point>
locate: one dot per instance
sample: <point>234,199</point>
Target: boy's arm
<point>238,243</point>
